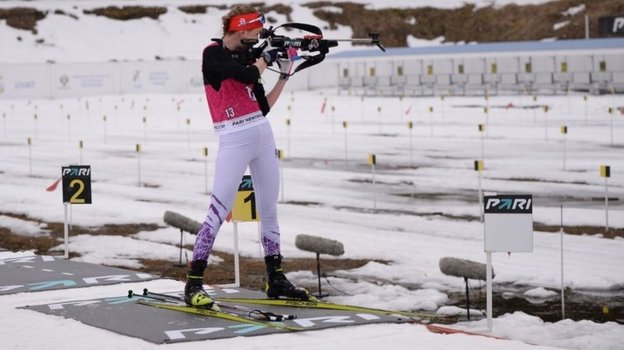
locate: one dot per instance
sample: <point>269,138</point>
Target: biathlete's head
<point>242,22</point>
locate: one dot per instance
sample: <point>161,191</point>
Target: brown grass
<point>125,13</point>
<point>467,23</point>
<point>22,18</point>
<point>486,24</point>
<point>253,270</point>
<point>581,230</point>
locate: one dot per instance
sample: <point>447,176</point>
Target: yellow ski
<point>217,314</point>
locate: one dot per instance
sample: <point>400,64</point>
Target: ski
<point>216,314</point>
<point>255,314</point>
<point>317,304</point>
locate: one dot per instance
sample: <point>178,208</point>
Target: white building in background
<point>554,67</point>
<point>594,66</point>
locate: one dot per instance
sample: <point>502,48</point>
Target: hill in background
<point>563,19</point>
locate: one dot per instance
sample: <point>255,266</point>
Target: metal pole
<point>606,204</point>
<point>564,152</point>
<point>411,147</point>
<point>318,271</point>
<point>611,129</point>
<point>480,197</point>
<point>562,279</point>
<point>545,124</point>
<point>346,144</point>
<point>482,146</point>
<point>586,27</point>
<point>488,274</point>
<point>333,127</point>
<point>188,133</point>
<point>467,298</point>
<point>104,119</point>
<point>236,262</point>
<point>29,157</point>
<point>288,138</point>
<point>431,121</point>
<point>181,244</point>
<point>586,110</point>
<point>139,173</point>
<point>374,190</point>
<point>66,230</point>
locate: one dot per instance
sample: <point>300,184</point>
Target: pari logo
<point>509,204</point>
<point>246,184</point>
<point>618,25</point>
<point>76,171</point>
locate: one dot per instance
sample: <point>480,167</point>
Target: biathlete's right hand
<point>270,56</point>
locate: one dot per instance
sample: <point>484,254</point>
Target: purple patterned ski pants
<point>253,147</point>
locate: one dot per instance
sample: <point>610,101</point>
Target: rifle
<point>312,43</point>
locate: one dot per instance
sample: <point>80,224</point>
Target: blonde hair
<point>235,11</point>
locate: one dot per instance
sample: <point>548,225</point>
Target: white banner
<point>83,79</point>
<point>24,81</point>
<point>151,77</point>
<point>192,77</point>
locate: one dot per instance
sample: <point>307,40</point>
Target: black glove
<point>270,56</point>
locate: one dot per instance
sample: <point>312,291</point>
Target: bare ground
<point>581,306</point>
<point>467,23</point>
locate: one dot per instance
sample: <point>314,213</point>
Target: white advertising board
<point>508,223</point>
<point>151,77</point>
<point>83,79</point>
<point>24,81</point>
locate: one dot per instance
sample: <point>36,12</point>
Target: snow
<point>540,292</point>
<point>175,35</point>
<point>315,172</point>
<point>523,153</point>
<point>560,25</point>
<point>573,11</point>
<point>26,228</point>
<point>562,334</point>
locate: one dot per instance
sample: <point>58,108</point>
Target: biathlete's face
<point>251,34</point>
<point>247,25</point>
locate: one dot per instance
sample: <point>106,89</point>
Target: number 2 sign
<point>76,184</point>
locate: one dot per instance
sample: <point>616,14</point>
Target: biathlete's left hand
<point>285,64</point>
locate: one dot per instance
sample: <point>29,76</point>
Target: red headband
<point>246,21</point>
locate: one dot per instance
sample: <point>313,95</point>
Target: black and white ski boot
<point>278,286</point>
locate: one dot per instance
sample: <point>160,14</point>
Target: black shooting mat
<point>33,273</point>
<point>123,315</point>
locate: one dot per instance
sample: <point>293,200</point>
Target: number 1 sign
<point>244,208</point>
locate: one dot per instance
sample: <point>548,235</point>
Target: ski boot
<point>194,293</point>
<point>278,285</point>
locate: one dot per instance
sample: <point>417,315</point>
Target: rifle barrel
<point>355,40</point>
